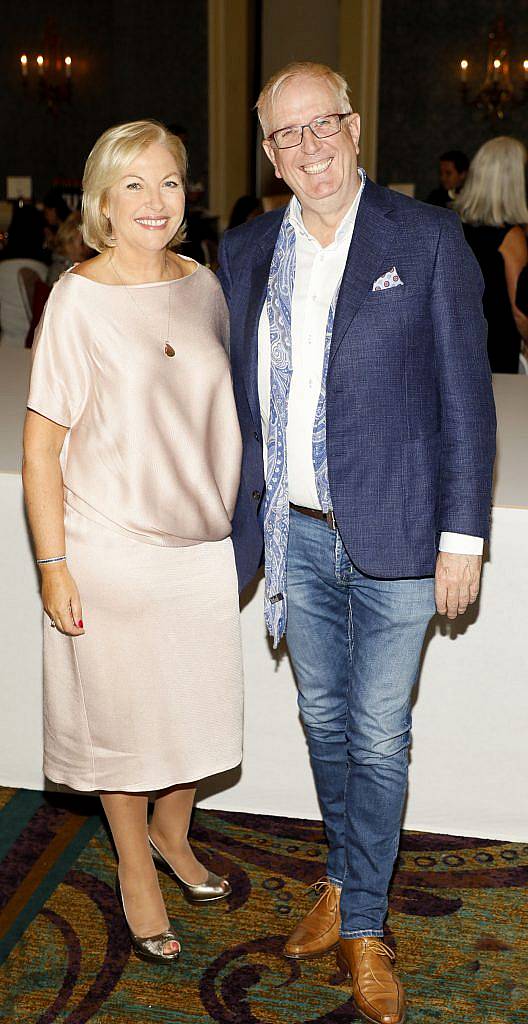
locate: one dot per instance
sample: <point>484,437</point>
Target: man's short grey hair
<point>299,69</point>
<point>494,191</point>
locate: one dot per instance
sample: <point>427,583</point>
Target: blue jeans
<point>355,645</point>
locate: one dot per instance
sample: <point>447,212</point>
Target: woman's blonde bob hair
<point>301,69</point>
<point>113,152</point>
<point>494,191</point>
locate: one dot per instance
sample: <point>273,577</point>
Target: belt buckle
<point>330,519</point>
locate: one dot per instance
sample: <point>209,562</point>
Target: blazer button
<point>256,436</point>
<point>256,495</point>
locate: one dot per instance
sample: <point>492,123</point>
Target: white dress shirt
<point>318,272</point>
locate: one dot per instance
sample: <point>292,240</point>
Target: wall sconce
<point>53,70</point>
<point>498,92</point>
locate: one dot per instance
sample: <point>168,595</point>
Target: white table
<point>469,763</point>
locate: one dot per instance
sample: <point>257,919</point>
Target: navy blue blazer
<point>410,419</point>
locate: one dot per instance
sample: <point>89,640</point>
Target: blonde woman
<point>492,205</point>
<point>131,520</point>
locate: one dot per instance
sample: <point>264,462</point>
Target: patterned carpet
<point>458,919</point>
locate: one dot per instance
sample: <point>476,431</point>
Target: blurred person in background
<point>245,208</point>
<point>70,247</point>
<point>521,298</point>
<point>493,210</point>
<point>56,211</point>
<point>521,301</point>
<point>454,166</point>
<point>22,266</point>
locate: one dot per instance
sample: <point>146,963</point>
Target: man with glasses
<point>358,348</point>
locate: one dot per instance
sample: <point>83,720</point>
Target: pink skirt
<point>151,695</point>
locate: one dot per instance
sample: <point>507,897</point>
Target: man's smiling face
<point>321,172</point>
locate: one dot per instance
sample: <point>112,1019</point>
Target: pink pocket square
<point>389,280</point>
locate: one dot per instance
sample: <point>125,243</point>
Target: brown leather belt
<point>315,513</point>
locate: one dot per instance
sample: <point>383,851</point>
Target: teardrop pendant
<point>169,351</point>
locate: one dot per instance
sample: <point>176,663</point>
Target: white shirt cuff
<point>461,544</point>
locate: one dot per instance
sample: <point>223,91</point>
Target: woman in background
<point>245,208</point>
<point>132,523</point>
<point>70,247</point>
<point>492,206</point>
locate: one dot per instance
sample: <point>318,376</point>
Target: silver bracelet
<point>45,561</point>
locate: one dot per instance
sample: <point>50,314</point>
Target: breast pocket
<point>383,319</point>
<point>387,296</point>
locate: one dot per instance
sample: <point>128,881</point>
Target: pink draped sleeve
<point>59,382</point>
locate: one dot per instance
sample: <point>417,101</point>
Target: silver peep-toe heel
<point>150,948</point>
<point>214,887</point>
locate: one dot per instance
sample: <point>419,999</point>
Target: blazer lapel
<point>373,237</point>
<point>258,287</point>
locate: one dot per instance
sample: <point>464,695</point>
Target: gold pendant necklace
<point>167,347</point>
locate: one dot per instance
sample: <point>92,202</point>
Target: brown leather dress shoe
<point>376,991</point>
<point>318,932</point>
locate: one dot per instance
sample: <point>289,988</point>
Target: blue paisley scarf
<point>276,507</point>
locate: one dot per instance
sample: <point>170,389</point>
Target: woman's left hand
<point>61,600</point>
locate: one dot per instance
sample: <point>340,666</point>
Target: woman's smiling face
<point>146,206</point>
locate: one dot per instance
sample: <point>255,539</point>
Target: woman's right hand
<point>61,600</point>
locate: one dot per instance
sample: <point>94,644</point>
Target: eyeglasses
<point>321,127</point>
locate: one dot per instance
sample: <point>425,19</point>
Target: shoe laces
<point>377,946</point>
<point>322,887</point>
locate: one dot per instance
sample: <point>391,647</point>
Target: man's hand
<point>457,582</point>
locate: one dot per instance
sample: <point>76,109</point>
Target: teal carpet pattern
<point>458,921</point>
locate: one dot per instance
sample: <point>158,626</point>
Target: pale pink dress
<point>151,695</point>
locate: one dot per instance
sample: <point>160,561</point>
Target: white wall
<point>469,760</point>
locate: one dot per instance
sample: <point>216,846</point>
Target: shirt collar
<point>346,225</point>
